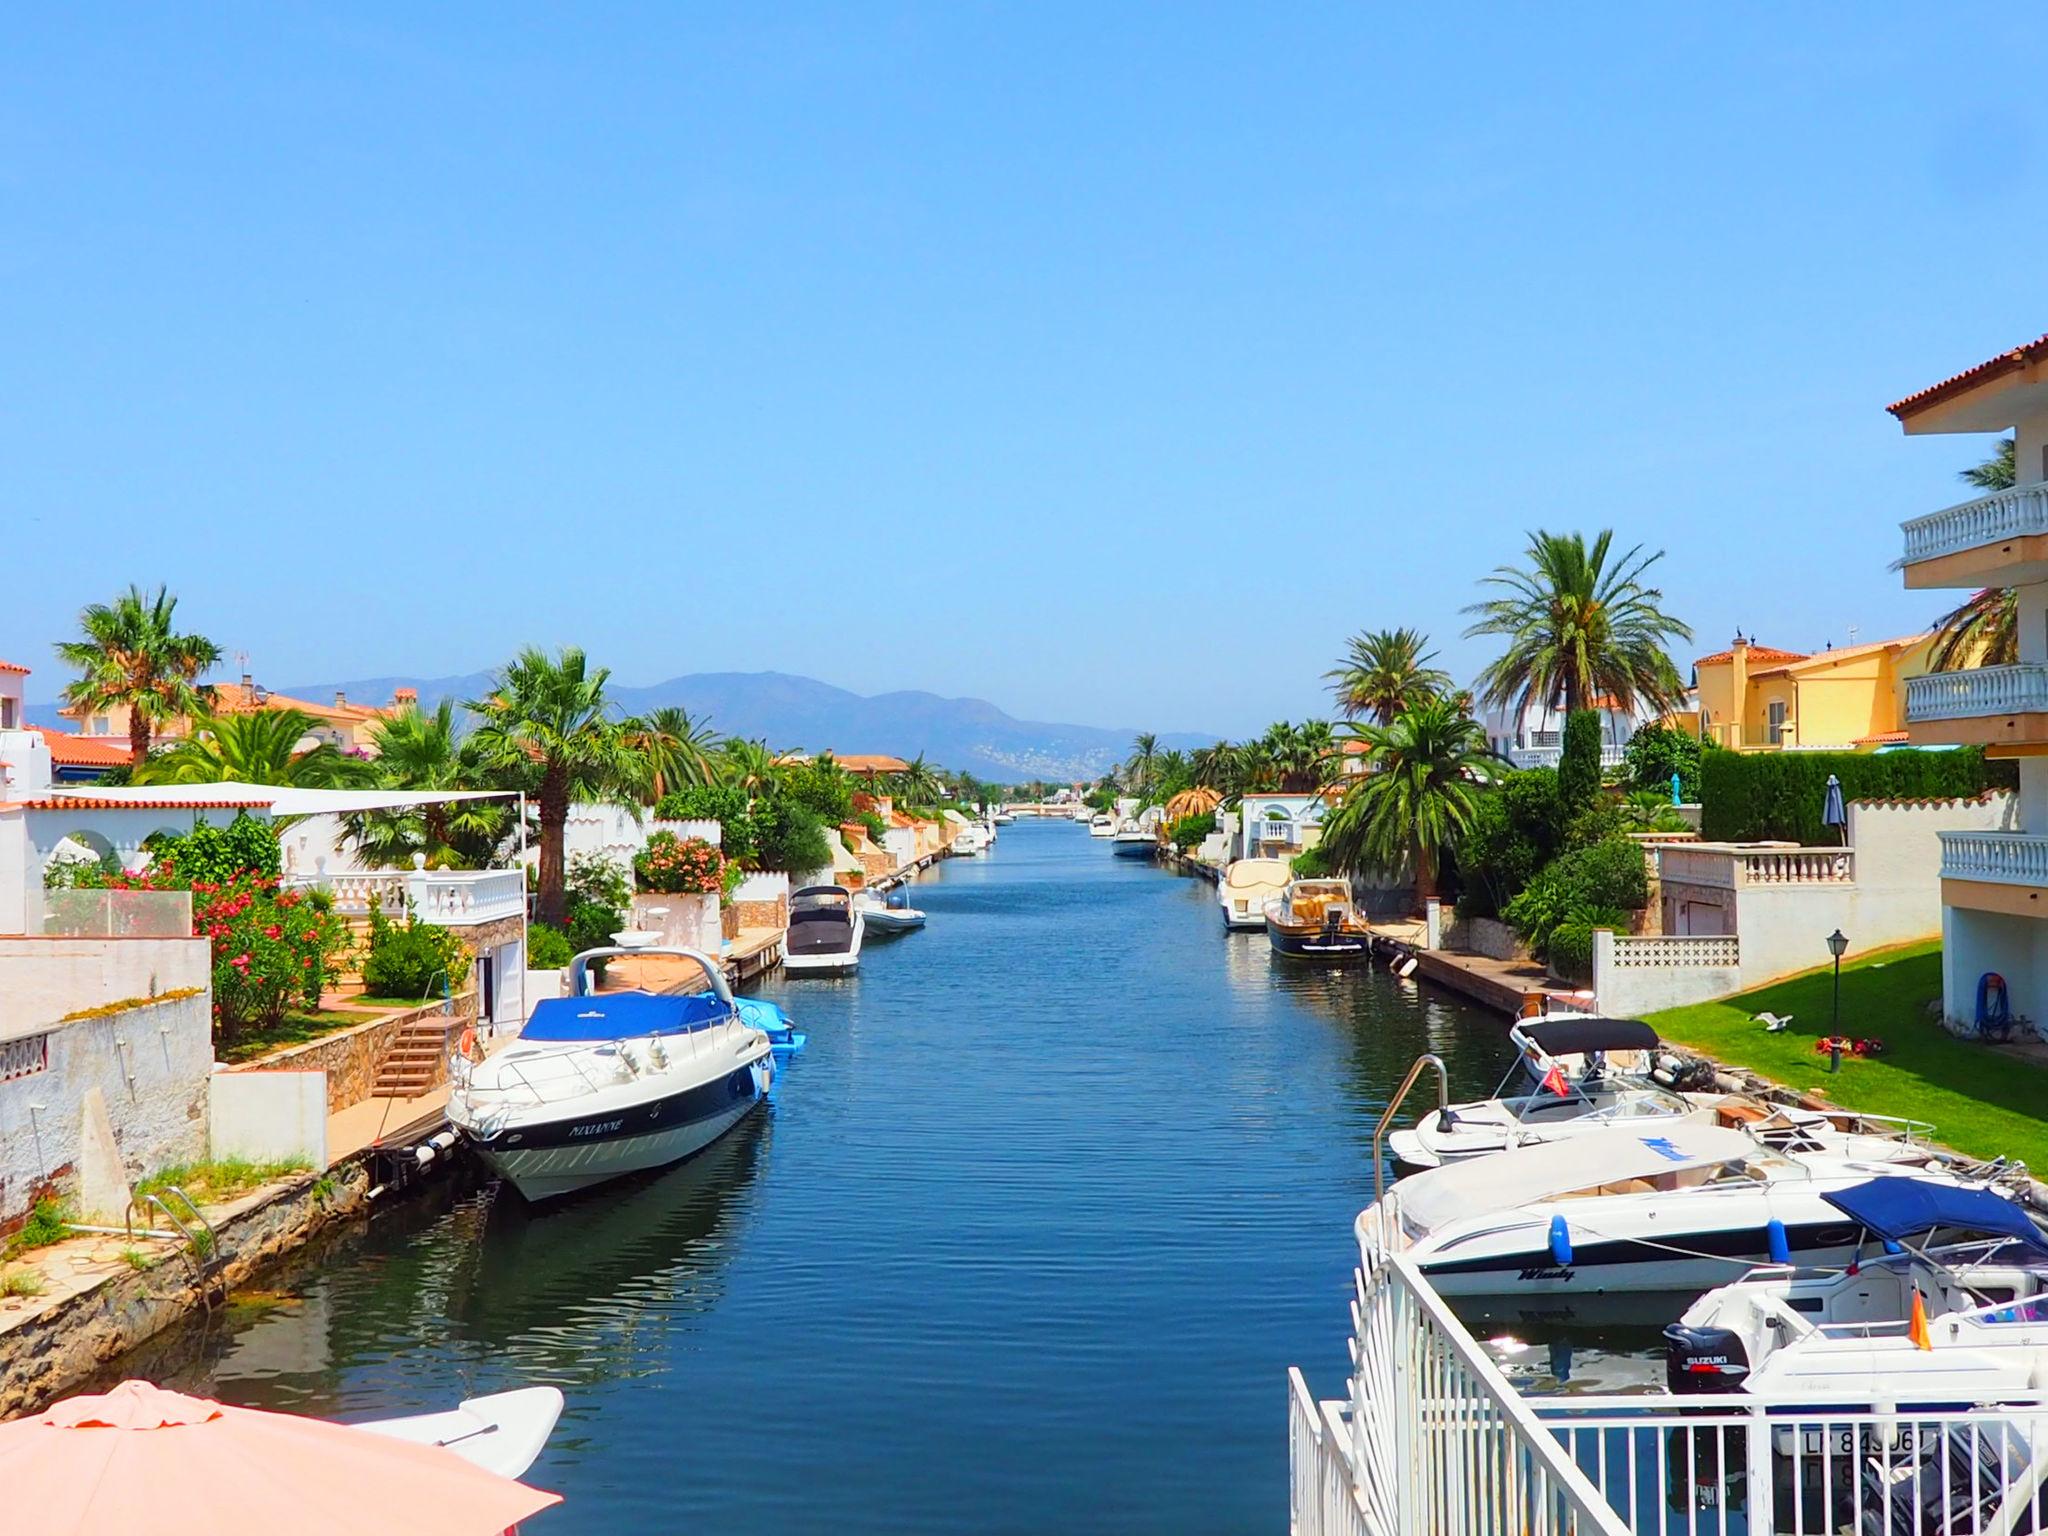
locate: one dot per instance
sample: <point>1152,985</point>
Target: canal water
<point>1024,1242</point>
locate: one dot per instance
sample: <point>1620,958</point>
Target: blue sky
<point>1109,362</point>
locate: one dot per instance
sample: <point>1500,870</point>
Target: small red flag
<point>1554,1080</point>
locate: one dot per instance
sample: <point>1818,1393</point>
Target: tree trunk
<point>551,905</point>
<point>138,736</point>
<point>1425,874</point>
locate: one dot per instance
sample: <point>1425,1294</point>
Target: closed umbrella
<point>1832,812</point>
<point>141,1459</point>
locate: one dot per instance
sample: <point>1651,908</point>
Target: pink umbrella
<point>142,1459</point>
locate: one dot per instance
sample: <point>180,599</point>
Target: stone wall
<point>1485,936</point>
<point>351,1057</point>
<point>148,1062</point>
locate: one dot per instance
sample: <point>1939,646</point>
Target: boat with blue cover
<point>601,1085</point>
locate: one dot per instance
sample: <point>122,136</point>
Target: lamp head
<point>1837,943</point>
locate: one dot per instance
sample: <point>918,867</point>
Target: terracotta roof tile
<point>1882,738</point>
<point>1756,653</point>
<point>74,751</point>
<point>140,803</point>
<point>10,666</point>
<point>1843,653</point>
<point>2006,362</point>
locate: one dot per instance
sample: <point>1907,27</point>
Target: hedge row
<point>1748,797</point>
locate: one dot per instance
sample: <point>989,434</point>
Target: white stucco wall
<point>1632,977</point>
<point>43,979</point>
<point>150,1063</point>
<point>268,1116</point>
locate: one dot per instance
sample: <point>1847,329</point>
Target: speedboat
<point>1963,1318</point>
<point>1314,920</point>
<point>825,929</point>
<point>1629,1209</point>
<point>1247,885</point>
<point>597,1087</point>
<point>774,1022</point>
<point>502,1432</point>
<point>972,838</point>
<point>1133,842</point>
<point>891,914</point>
<point>1003,818</point>
<point>1103,825</point>
<point>1570,1076</point>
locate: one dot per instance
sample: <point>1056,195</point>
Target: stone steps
<point>417,1060</point>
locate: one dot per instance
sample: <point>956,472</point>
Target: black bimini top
<point>1575,1037</point>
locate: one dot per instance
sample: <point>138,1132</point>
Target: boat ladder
<point>1379,1132</point>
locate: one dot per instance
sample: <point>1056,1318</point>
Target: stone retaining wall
<point>351,1057</point>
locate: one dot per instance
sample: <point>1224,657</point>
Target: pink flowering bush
<point>671,866</point>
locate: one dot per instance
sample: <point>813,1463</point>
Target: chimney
<point>1738,689</point>
<point>404,696</point>
<point>340,699</point>
<point>248,684</point>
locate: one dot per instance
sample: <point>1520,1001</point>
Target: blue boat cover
<point>1898,1208</point>
<point>759,1013</point>
<point>621,1015</point>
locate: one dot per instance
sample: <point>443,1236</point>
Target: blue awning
<point>620,1015</point>
<point>1898,1208</point>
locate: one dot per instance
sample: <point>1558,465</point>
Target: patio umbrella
<point>1832,811</point>
<point>139,1458</point>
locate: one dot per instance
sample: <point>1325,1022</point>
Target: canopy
<point>1533,1173</point>
<point>1897,1208</point>
<point>1576,1036</point>
<point>283,800</point>
<point>1258,874</point>
<point>139,1458</point>
<point>622,1015</point>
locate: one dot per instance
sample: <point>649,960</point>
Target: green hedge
<point>1750,796</point>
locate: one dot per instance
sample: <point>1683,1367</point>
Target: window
<point>1777,722</point>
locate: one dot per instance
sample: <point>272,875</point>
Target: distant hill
<point>801,712</point>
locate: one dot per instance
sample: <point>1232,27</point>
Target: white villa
<point>1533,736</point>
<point>1994,885</point>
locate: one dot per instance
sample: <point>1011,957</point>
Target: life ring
<point>465,1047</point>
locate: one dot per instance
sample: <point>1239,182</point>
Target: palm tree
<point>749,767</point>
<point>917,784</point>
<point>1578,625</point>
<point>1428,768</point>
<point>1984,630</point>
<point>133,655</point>
<point>548,723</point>
<point>678,750</point>
<point>1144,753</point>
<point>258,746</point>
<point>416,750</point>
<point>1214,767</point>
<point>1383,672</point>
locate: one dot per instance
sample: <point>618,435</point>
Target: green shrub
<point>1602,879</point>
<point>210,855</point>
<point>1311,864</point>
<point>722,804</point>
<point>877,829</point>
<point>1578,765</point>
<point>1756,796</point>
<point>547,949</point>
<point>1190,830</point>
<point>1656,752</point>
<point>821,787</point>
<point>592,924</point>
<point>1570,953</point>
<point>1516,829</point>
<point>789,837</point>
<point>411,959</point>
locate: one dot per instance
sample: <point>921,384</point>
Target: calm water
<point>1024,1243</point>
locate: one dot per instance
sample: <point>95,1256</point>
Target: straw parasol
<point>1199,801</point>
<point>140,1458</point>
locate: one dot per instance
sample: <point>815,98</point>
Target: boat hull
<point>548,1161</point>
<point>1128,848</point>
<point>834,963</point>
<point>888,921</point>
<point>1676,1260</point>
<point>1324,946</point>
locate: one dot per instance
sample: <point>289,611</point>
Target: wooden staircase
<point>417,1060</point>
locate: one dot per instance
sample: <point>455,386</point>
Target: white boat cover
<point>1505,1180</point>
<point>1258,875</point>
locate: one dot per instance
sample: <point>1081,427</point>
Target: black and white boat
<point>600,1086</point>
<point>1133,841</point>
<point>825,930</point>
<point>1315,920</point>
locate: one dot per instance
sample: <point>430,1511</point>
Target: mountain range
<point>800,712</point>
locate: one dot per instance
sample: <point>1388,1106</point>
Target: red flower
<point>273,932</point>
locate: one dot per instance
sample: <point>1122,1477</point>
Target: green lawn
<point>1981,1101</point>
<point>293,1029</point>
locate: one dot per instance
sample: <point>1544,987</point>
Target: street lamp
<point>1837,943</point>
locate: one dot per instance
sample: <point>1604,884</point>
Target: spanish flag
<point>1555,1081</point>
<point>1917,1329</point>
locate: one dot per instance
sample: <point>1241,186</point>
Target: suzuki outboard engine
<point>1704,1359</point>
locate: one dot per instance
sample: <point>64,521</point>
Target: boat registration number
<point>1848,1440</point>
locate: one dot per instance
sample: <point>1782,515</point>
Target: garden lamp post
<point>1837,943</point>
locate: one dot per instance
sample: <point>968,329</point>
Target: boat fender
<point>1405,967</point>
<point>1780,1246</point>
<point>1560,1242</point>
<point>1892,1247</point>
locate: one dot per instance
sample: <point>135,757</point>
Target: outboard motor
<point>1703,1360</point>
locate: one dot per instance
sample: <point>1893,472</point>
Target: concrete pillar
<point>1432,924</point>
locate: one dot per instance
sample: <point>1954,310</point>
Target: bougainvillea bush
<point>671,866</point>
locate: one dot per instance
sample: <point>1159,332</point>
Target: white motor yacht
<point>1133,842</point>
<point>1247,885</point>
<point>1102,825</point>
<point>597,1087</point>
<point>971,839</point>
<point>1961,1318</point>
<point>825,930</point>
<point>1627,1210</point>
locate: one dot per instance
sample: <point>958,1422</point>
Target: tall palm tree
<point>1214,767</point>
<point>1144,755</point>
<point>1982,631</point>
<point>1428,769</point>
<point>258,746</point>
<point>1580,622</point>
<point>133,655</point>
<point>1383,671</point>
<point>917,784</point>
<point>749,767</point>
<point>547,722</point>
<point>418,750</point>
<point>678,750</point>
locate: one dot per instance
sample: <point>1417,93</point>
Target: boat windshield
<point>1615,1097</point>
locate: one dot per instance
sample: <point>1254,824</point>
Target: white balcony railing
<point>1550,756</point>
<point>1285,834</point>
<point>2009,858</point>
<point>2020,690</point>
<point>2009,514</point>
<point>1734,867</point>
<point>446,897</point>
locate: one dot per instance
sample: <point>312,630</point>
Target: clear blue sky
<point>1112,363</point>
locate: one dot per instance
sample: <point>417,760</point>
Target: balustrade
<point>2009,514</point>
<point>2008,858</point>
<point>2018,690</point>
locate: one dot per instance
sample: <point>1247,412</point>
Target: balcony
<point>1546,753</point>
<point>1984,706</point>
<point>1735,866</point>
<point>1995,872</point>
<point>449,898</point>
<point>1997,540</point>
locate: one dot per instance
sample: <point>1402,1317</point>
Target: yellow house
<point>1757,698</point>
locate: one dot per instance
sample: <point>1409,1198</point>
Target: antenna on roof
<point>1852,634</point>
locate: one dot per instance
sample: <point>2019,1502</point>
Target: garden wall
<point>351,1057</point>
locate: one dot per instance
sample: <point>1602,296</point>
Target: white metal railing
<point>2017,690</point>
<point>1732,866</point>
<point>2010,858</point>
<point>1676,951</point>
<point>2015,513</point>
<point>1322,1493</point>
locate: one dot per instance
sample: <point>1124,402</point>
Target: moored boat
<point>1133,842</point>
<point>1102,824</point>
<point>1247,885</point>
<point>1315,920</point>
<point>891,915</point>
<point>825,930</point>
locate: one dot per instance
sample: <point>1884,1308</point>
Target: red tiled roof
<point>2006,362</point>
<point>74,751</point>
<point>83,803</point>
<point>870,762</point>
<point>1881,738</point>
<point>9,666</point>
<point>1756,653</point>
<point>1842,653</point>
